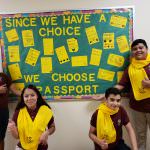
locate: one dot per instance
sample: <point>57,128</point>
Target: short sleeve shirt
<point>4,79</point>
<point>142,105</point>
<point>119,119</point>
<point>33,115</point>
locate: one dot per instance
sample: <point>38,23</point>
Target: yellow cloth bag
<point>136,75</point>
<point>105,127</point>
<point>30,131</point>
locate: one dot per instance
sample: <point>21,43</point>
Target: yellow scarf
<point>30,131</point>
<point>137,74</point>
<point>105,127</point>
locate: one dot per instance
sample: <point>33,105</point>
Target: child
<point>107,121</point>
<point>32,121</point>
<point>6,85</point>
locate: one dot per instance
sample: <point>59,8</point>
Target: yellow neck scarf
<point>105,127</point>
<point>30,131</point>
<point>136,75</point>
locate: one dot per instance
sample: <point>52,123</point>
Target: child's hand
<point>3,88</point>
<point>99,97</point>
<point>44,137</point>
<point>146,83</point>
<point>12,128</point>
<point>11,125</point>
<point>103,144</point>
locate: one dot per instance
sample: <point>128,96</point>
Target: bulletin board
<point>71,54</point>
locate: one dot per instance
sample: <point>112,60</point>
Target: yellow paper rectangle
<point>106,74</point>
<point>13,52</point>
<point>19,86</point>
<point>78,61</point>
<point>118,21</point>
<point>123,44</point>
<point>46,64</point>
<point>119,75</point>
<point>108,40</point>
<point>92,35</point>
<point>95,57</point>
<point>28,39</point>
<point>57,97</point>
<point>15,72</point>
<point>32,57</point>
<point>115,60</point>
<point>48,46</point>
<point>73,45</point>
<point>12,35</point>
<point>62,55</point>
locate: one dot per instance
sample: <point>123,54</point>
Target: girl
<point>32,121</point>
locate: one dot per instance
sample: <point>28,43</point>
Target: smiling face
<point>139,51</point>
<point>113,101</point>
<point>30,98</point>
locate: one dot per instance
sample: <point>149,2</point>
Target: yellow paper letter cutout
<point>19,86</point>
<point>46,64</point>
<point>78,61</point>
<point>115,60</point>
<point>13,52</point>
<point>62,55</point>
<point>119,75</point>
<point>32,57</point>
<point>95,57</point>
<point>106,74</point>
<point>12,35</point>
<point>122,44</point>
<point>118,21</point>
<point>92,35</point>
<point>15,72</point>
<point>108,40</point>
<point>72,45</point>
<point>102,18</point>
<point>48,46</point>
<point>28,39</point>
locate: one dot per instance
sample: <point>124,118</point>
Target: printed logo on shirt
<point>141,90</point>
<point>119,122</point>
<point>29,139</point>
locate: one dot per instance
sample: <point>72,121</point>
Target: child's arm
<point>102,143</point>
<point>132,136</point>
<point>100,97</point>
<point>44,137</point>
<point>3,89</point>
<point>119,87</point>
<point>13,129</point>
<point>14,90</point>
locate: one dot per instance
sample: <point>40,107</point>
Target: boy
<point>107,121</point>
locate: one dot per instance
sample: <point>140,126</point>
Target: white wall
<point>72,118</point>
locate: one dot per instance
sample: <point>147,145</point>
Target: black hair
<point>40,100</point>
<point>112,90</point>
<point>137,41</point>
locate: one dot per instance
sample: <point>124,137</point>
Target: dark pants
<point>122,146</point>
<point>119,146</point>
<point>4,116</point>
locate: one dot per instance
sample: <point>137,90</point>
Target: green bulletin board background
<point>104,46</point>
